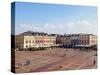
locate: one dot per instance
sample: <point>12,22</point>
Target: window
<point>26,46</point>
<point>30,41</point>
<point>26,41</point>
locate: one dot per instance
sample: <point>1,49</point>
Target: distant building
<point>34,39</point>
<point>79,40</point>
<point>87,40</point>
<point>40,39</point>
<point>59,40</point>
<point>66,41</point>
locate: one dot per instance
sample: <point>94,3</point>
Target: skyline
<point>55,18</point>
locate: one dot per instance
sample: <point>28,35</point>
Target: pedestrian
<point>60,66</point>
<point>94,62</point>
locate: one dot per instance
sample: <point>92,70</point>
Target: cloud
<point>80,26</point>
<point>26,27</point>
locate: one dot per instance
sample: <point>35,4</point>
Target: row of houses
<point>77,40</point>
<point>40,39</point>
<point>34,39</point>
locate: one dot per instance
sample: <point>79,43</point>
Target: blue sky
<point>55,18</point>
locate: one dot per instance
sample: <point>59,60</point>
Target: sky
<point>55,18</point>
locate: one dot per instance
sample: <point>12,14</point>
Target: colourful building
<point>34,39</point>
<point>79,40</point>
<point>40,39</point>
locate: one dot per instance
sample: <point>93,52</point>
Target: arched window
<point>26,41</point>
<point>30,41</point>
<point>26,46</point>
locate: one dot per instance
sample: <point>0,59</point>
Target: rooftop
<point>32,33</point>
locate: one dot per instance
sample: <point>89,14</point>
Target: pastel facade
<point>87,40</point>
<point>31,39</point>
<point>39,39</point>
<point>79,40</point>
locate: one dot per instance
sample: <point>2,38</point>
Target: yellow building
<point>34,39</point>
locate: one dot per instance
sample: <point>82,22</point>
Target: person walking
<point>94,62</point>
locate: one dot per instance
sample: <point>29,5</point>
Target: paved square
<point>54,59</point>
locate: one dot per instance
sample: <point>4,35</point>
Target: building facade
<point>40,39</point>
<point>34,39</point>
<point>79,40</point>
